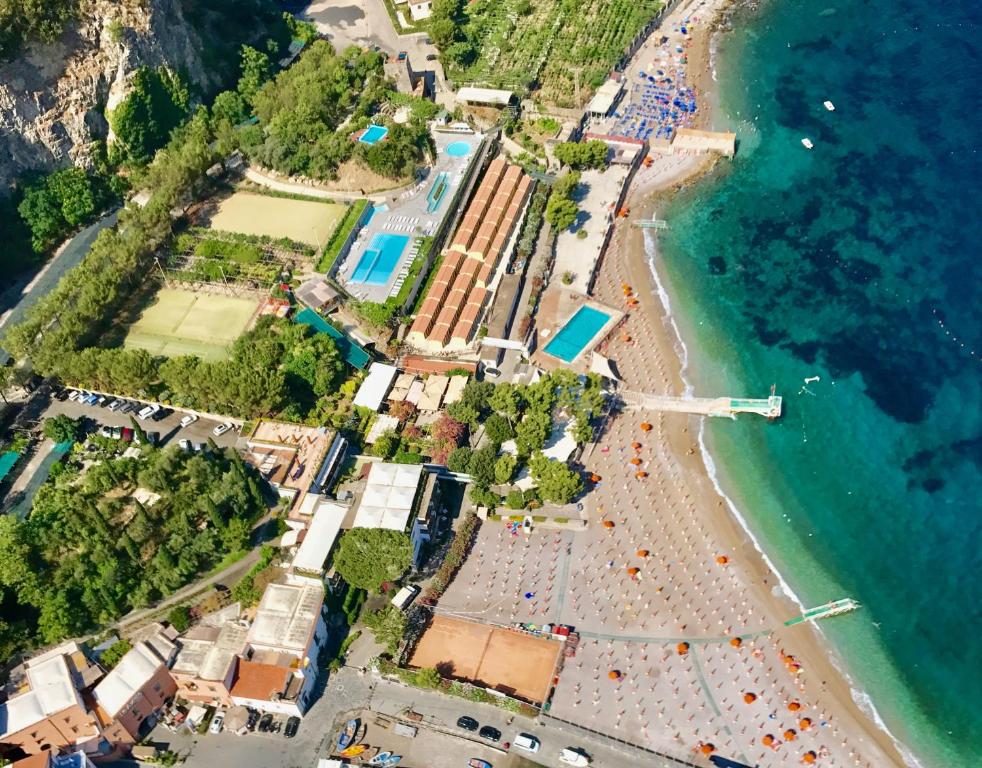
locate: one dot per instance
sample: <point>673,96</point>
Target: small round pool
<point>459,149</point>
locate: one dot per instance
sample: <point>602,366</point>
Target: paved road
<point>67,256</point>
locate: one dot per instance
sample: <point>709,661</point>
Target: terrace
<point>380,259</point>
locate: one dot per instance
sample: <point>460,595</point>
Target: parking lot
<point>169,427</point>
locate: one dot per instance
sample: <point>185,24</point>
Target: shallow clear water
<point>857,262</point>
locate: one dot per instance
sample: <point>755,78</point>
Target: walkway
<point>704,406</point>
<point>296,188</point>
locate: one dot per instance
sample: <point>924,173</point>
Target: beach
<point>653,360</point>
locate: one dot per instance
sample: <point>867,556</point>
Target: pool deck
<point>407,215</point>
<point>556,309</point>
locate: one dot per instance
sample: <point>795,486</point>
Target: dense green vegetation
<point>54,204</point>
<point>301,109</point>
<point>98,543</point>
<point>388,624</point>
<point>368,557</point>
<point>156,103</point>
<point>537,46</point>
<point>578,155</point>
<point>562,210</point>
<point>23,20</point>
<point>333,248</point>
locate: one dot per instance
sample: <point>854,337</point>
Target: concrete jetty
<point>703,406</point>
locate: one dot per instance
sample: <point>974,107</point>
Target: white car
<point>526,742</point>
<point>573,757</point>
<point>74,395</point>
<point>188,420</point>
<point>147,411</point>
<point>221,429</point>
<point>115,405</point>
<point>185,444</point>
<point>216,723</point>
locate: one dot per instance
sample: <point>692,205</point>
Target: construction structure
<point>449,316</point>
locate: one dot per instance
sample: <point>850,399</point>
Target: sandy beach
<point>685,502</point>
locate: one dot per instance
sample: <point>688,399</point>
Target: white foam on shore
<point>859,696</point>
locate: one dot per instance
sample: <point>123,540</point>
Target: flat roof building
<point>371,394</point>
<point>489,96</point>
<point>320,536</point>
<point>605,98</point>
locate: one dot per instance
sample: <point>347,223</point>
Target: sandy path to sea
<point>686,503</point>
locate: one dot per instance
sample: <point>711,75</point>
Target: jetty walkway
<point>703,406</point>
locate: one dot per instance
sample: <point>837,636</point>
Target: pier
<point>704,406</point>
<point>835,608</point>
<point>651,223</point>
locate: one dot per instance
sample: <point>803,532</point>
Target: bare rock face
<point>53,97</point>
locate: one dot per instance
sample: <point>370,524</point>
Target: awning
<point>601,365</point>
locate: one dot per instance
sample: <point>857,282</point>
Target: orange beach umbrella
<point>805,723</point>
<point>707,749</point>
<point>736,642</point>
<point>682,648</point>
<point>641,475</point>
<point>636,461</point>
<point>636,445</point>
<point>768,740</point>
<point>722,559</point>
<point>614,674</point>
<point>645,426</point>
<point>633,571</point>
<point>794,706</point>
<point>790,734</point>
<point>750,698</point>
<point>809,757</point>
<point>642,553</point>
<point>608,524</point>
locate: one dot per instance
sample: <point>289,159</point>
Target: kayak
<point>380,758</point>
<point>475,763</point>
<point>354,751</point>
<point>347,734</point>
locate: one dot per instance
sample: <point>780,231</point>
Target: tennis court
<point>507,661</point>
<point>304,221</point>
<point>181,322</point>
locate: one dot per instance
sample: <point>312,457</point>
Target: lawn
<point>305,221</point>
<point>541,49</point>
<point>181,322</point>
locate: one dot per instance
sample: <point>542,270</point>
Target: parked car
<point>405,596</point>
<point>161,413</point>
<point>153,437</point>
<point>253,719</point>
<point>188,420</point>
<point>185,444</point>
<point>90,398</point>
<point>62,395</point>
<point>431,57</point>
<point>265,723</point>
<point>292,725</point>
<point>116,404</point>
<point>127,407</point>
<point>490,733</point>
<point>105,431</point>
<point>101,401</point>
<point>74,395</point>
<point>467,723</point>
<point>221,429</point>
<point>147,411</point>
<point>402,55</point>
<point>573,756</point>
<point>526,742</point>
<point>127,435</point>
<point>217,722</point>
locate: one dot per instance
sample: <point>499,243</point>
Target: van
<point>527,742</point>
<point>404,597</point>
<point>147,411</point>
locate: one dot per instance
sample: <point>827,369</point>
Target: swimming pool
<point>578,332</point>
<point>373,134</point>
<point>440,186</point>
<point>459,149</point>
<point>380,259</point>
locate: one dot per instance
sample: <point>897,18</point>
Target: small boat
<point>380,758</point>
<point>347,734</point>
<point>807,143</point>
<point>829,106</point>
<point>475,763</point>
<point>392,760</point>
<point>353,751</point>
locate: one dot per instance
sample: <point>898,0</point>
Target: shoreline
<point>648,189</point>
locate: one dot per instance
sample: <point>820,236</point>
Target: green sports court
<point>181,322</point>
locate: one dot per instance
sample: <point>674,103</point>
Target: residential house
<point>206,661</point>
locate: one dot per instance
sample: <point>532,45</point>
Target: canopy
<point>601,366</point>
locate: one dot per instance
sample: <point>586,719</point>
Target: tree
<point>590,154</point>
<point>464,413</point>
<point>507,401</point>
<point>386,445</point>
<point>255,67</point>
<point>532,431</point>
<point>62,428</point>
<point>556,482</point>
<point>179,617</point>
<point>112,655</point>
<point>482,464</point>
<point>562,210</point>
<point>388,624</point>
<point>366,557</point>
<point>498,429</point>
<point>56,203</point>
<point>459,459</point>
<point>427,677</point>
<point>504,468</point>
<point>156,104</point>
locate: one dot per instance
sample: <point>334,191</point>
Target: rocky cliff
<point>53,97</point>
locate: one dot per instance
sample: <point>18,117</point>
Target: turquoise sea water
<point>858,262</point>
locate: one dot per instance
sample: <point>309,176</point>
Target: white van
<point>147,411</point>
<point>527,742</point>
<point>404,597</point>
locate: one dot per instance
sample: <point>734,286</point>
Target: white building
<point>420,10</point>
<point>371,394</point>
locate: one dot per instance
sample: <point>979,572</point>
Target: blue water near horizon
<point>857,262</point>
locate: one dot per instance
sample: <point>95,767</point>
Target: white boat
<point>829,106</point>
<point>807,143</point>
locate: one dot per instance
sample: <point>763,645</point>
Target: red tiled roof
<point>259,681</point>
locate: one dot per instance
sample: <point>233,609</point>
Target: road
<point>68,255</point>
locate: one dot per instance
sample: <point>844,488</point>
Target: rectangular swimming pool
<point>577,334</point>
<point>440,186</point>
<point>380,259</point>
<point>373,134</point>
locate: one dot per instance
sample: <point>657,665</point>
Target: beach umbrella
<point>625,287</point>
<point>642,553</point>
<point>625,337</point>
<point>608,524</point>
<point>805,723</point>
<point>636,445</point>
<point>768,740</point>
<point>595,478</point>
<point>794,706</point>
<point>750,698</point>
<point>722,559</point>
<point>682,648</point>
<point>645,426</point>
<point>736,642</point>
<point>641,475</point>
<point>809,757</point>
<point>614,674</point>
<point>633,571</point>
<point>790,734</point>
<point>707,749</point>
<point>636,461</point>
